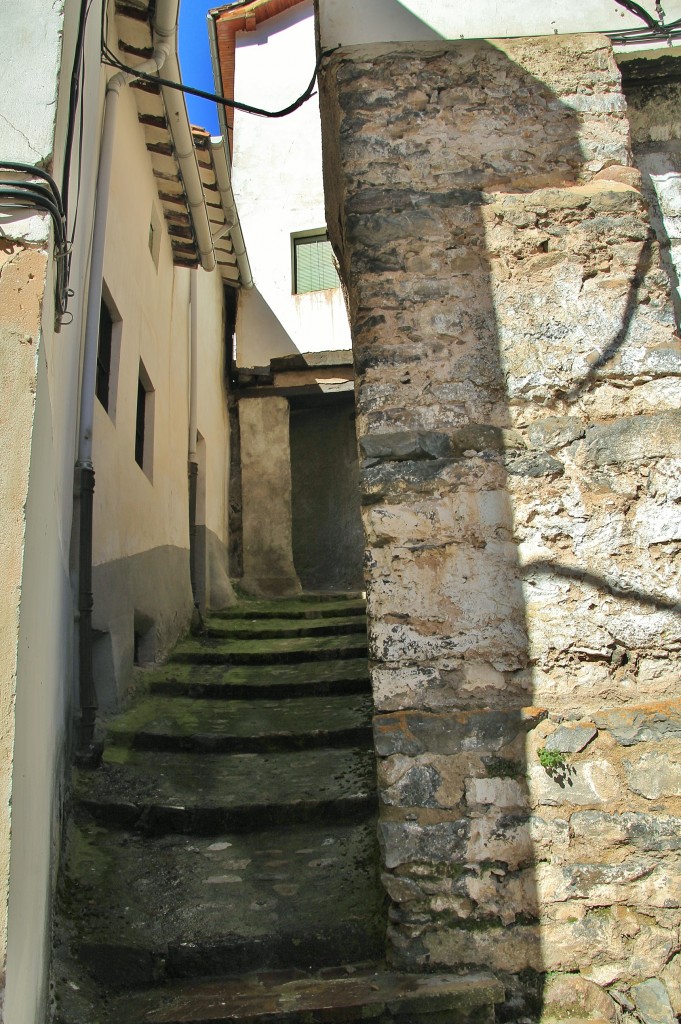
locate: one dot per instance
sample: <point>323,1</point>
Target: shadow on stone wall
<point>507,308</point>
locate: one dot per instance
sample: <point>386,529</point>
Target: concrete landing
<point>188,905</point>
<point>335,998</point>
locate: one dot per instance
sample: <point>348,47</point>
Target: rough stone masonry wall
<point>518,423</point>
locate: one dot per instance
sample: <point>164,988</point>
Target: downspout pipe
<point>84,470</point>
<point>224,182</point>
<point>192,461</point>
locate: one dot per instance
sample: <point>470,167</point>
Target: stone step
<point>239,726</point>
<point>253,682</point>
<point>341,996</point>
<point>152,908</point>
<point>283,628</point>
<point>205,793</point>
<point>210,651</point>
<point>311,608</point>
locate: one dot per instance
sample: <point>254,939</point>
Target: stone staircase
<point>221,863</point>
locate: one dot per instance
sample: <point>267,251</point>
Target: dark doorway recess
<point>328,543</point>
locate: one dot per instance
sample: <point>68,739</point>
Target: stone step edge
<point>240,613</point>
<point>237,629</point>
<point>160,819</point>
<point>173,687</point>
<point>211,656</point>
<point>235,743</point>
<point>258,999</point>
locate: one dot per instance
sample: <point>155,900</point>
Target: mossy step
<point>251,682</point>
<point>294,609</point>
<point>204,793</point>
<point>339,996</point>
<point>272,629</point>
<point>267,652</point>
<point>157,723</point>
<point>141,908</point>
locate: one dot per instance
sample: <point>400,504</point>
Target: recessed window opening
<point>144,422</point>
<point>108,355</point>
<point>154,239</point>
<point>104,355</point>
<point>314,267</point>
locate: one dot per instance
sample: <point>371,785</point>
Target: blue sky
<point>194,52</point>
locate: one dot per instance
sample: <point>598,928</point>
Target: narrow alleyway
<point>230,834</point>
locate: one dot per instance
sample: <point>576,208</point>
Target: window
<point>103,384</point>
<point>144,422</point>
<point>108,353</point>
<point>139,423</point>
<point>154,238</point>
<point>314,267</point>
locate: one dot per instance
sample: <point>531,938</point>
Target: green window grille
<point>313,264</point>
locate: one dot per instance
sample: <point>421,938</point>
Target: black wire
<point>24,194</point>
<point>74,93</point>
<point>81,131</point>
<point>113,61</point>
<point>639,12</point>
<point>30,197</point>
<point>35,172</point>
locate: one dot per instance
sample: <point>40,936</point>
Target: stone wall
<point>518,423</point>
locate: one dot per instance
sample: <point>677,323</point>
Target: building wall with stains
<point>518,422</point>
<point>40,369</point>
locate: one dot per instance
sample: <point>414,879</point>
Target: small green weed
<point>551,760</point>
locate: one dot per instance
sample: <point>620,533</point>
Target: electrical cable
<point>81,130</point>
<point>36,197</point>
<point>113,61</point>
<point>34,172</point>
<point>43,195</point>
<point>639,12</point>
<point>75,92</point>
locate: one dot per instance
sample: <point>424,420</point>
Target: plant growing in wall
<point>556,764</point>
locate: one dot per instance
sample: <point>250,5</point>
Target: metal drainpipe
<point>84,483</point>
<point>192,462</point>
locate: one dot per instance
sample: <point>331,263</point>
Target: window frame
<point>299,238</point>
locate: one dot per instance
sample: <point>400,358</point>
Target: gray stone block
<point>652,1002</point>
<point>405,445</point>
<point>403,842</point>
<point>571,739</point>
<point>639,725</point>
<point>635,439</point>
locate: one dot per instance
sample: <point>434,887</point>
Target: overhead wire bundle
<point>19,190</point>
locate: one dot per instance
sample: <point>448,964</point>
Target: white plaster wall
<point>273,158</point>
<point>347,22</point>
<point>31,48</point>
<point>141,525</point>
<point>30,51</point>
<point>134,512</point>
<point>137,511</point>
